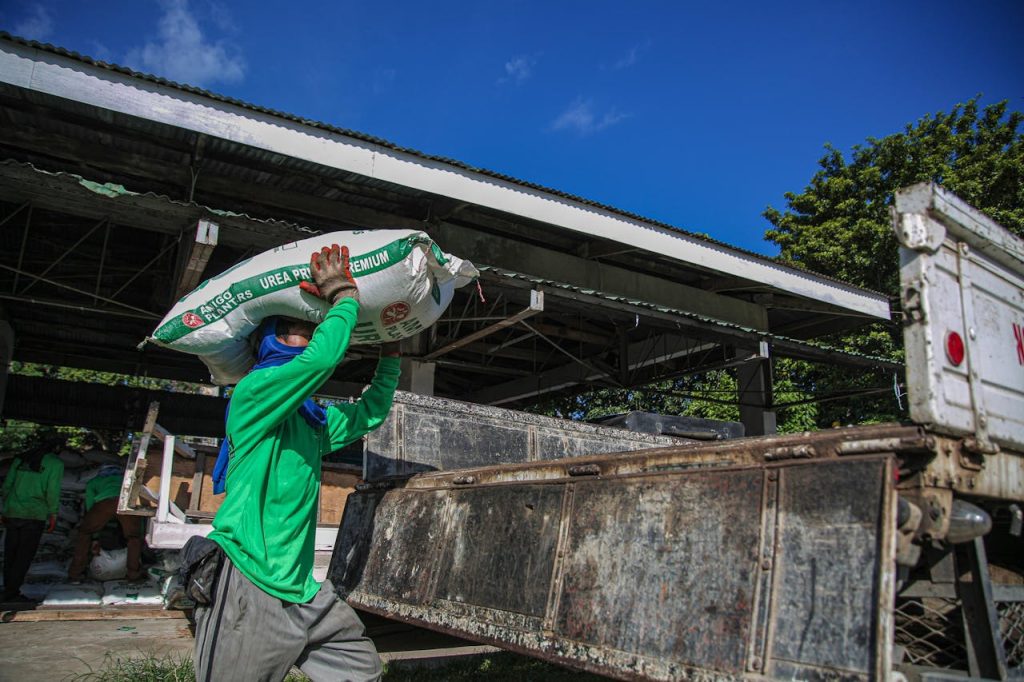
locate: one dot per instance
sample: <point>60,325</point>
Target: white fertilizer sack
<point>405,283</point>
<point>37,591</point>
<point>109,565</point>
<point>43,571</point>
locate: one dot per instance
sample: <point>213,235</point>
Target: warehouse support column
<point>754,383</point>
<point>6,353</point>
<point>417,376</point>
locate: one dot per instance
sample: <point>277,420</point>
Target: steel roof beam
<point>707,329</point>
<point>536,306</point>
<point>641,354</point>
<point>39,278</point>
<point>548,263</point>
<point>67,251</point>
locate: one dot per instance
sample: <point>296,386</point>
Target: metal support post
<point>754,383</point>
<point>6,352</point>
<point>417,376</point>
<point>985,654</point>
<point>194,255</point>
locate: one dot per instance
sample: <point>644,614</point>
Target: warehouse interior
<point>110,183</point>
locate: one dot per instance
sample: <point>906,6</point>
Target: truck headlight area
<point>966,522</point>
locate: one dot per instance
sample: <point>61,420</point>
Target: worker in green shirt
<point>101,494</point>
<point>31,498</point>
<point>268,613</point>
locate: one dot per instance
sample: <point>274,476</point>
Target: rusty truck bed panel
<point>425,433</point>
<point>650,565</point>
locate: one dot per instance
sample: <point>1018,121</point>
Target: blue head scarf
<point>269,353</point>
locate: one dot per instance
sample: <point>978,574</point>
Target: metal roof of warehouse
<point>108,171</point>
<point>59,189</point>
<point>372,157</point>
<point>368,138</point>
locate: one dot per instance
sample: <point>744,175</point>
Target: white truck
<point>887,551</point>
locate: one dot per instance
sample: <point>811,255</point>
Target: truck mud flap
<point>782,570</point>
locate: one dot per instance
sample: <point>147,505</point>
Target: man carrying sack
<point>265,611</point>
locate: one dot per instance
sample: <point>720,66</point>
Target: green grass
<point>140,668</point>
<point>149,669</point>
<point>501,667</point>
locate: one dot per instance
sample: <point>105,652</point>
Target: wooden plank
<point>180,446</point>
<point>197,481</point>
<point>129,498</point>
<point>183,476</point>
<point>173,511</point>
<point>128,613</point>
<point>335,487</point>
<point>208,502</point>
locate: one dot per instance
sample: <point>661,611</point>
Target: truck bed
<point>766,556</point>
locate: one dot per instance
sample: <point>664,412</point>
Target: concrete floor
<point>55,650</point>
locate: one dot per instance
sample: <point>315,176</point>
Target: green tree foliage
<point>710,396</point>
<point>840,225</point>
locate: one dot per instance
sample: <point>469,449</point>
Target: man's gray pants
<point>246,634</point>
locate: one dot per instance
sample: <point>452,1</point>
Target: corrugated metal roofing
<point>71,182</point>
<point>30,182</point>
<point>47,47</point>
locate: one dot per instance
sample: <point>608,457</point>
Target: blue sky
<point>697,114</point>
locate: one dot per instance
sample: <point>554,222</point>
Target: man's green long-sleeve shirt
<point>267,522</point>
<point>102,488</point>
<point>33,494</point>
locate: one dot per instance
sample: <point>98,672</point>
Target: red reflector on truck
<point>954,348</point>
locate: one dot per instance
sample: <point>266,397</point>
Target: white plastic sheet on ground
<point>86,594</point>
<point>121,593</point>
<point>405,283</point>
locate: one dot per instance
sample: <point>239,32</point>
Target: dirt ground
<point>59,650</point>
